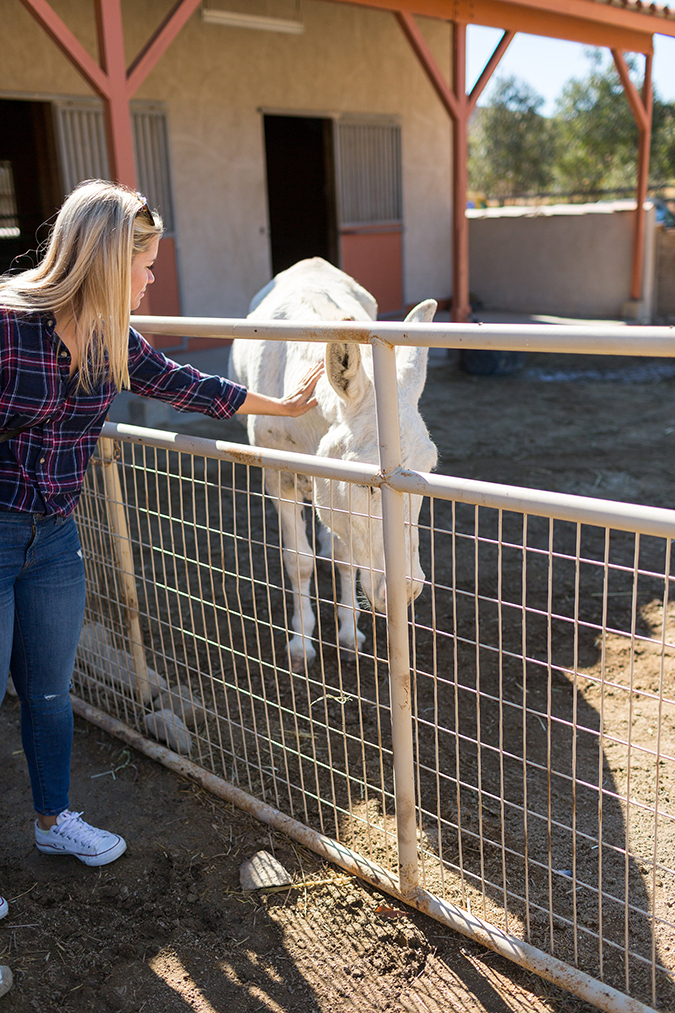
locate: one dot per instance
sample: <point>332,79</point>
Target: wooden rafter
<point>459,107</point>
<point>585,21</point>
<point>489,69</point>
<point>158,43</point>
<point>641,106</point>
<point>69,45</point>
<point>423,53</point>
<point>110,78</point>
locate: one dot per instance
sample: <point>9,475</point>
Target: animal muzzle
<point>377,592</point>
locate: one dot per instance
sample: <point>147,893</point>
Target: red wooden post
<point>116,101</point>
<point>645,140</point>
<point>460,178</point>
<point>459,107</point>
<point>641,107</point>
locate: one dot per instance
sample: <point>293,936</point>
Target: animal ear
<point>423,313</point>
<point>411,363</point>
<point>344,371</point>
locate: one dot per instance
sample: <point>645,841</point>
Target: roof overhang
<point>588,21</point>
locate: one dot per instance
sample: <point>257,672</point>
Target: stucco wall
<point>216,82</point>
<point>571,260</point>
<point>665,279</point>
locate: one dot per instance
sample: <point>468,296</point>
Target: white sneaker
<point>72,836</point>
<point>4,907</point>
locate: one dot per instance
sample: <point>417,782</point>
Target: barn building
<point>269,130</point>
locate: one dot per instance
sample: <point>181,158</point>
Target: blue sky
<point>546,64</point>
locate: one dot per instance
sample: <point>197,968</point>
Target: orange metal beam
<point>429,65</point>
<point>489,69</point>
<point>115,103</point>
<point>641,106</point>
<point>460,179</point>
<point>459,107</point>
<point>111,80</point>
<point>619,32</point>
<point>70,46</point>
<point>634,100</point>
<point>158,43</point>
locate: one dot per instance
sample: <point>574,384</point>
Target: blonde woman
<point>66,349</point>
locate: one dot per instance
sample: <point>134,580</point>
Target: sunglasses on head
<point>145,212</point>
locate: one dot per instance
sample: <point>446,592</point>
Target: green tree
<point>511,145</point>
<point>662,160</point>
<point>599,137</point>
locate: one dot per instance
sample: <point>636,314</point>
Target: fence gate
<point>501,756</point>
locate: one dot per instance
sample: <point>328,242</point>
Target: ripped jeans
<point>41,614</point>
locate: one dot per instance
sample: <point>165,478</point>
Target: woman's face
<point>141,273</point>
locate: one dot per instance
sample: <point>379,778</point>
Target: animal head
<point>313,290</point>
<point>353,512</point>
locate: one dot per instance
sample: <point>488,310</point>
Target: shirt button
<point>42,460</point>
<point>64,355</point>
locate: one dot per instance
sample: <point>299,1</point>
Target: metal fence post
<point>114,505</point>
<point>393,524</point>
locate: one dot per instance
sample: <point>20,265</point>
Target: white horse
<point>343,426</point>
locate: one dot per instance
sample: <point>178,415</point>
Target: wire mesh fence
<point>543,688</point>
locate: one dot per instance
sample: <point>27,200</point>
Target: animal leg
<point>325,541</point>
<point>350,636</point>
<point>299,563</point>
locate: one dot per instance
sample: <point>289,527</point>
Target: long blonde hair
<point>86,273</point>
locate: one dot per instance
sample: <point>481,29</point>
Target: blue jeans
<point>41,614</point>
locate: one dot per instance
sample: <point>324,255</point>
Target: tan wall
<point>215,81</point>
<point>665,277</point>
<point>573,261</point>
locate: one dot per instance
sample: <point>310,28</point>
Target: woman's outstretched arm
<point>294,404</point>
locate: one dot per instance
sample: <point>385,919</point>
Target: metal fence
<point>501,755</point>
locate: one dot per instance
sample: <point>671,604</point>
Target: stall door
<point>370,214</point>
<point>300,189</point>
<point>30,188</point>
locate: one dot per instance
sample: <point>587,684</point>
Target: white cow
<point>343,426</point>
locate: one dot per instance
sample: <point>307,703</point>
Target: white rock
<point>111,664</point>
<point>262,871</point>
<point>6,979</point>
<point>188,708</point>
<point>168,728</point>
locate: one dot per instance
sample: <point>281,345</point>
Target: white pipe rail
<point>648,520</point>
<point>601,339</point>
<point>606,998</point>
<point>395,482</point>
<point>393,530</point>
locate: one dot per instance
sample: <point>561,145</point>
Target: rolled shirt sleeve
<point>42,469</point>
<point>152,374</point>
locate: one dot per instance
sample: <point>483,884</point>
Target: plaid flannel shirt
<point>42,470</point>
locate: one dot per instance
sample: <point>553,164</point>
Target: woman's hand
<point>302,398</point>
<point>292,405</point>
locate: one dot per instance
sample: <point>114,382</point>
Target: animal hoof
<point>347,642</point>
<point>302,660</point>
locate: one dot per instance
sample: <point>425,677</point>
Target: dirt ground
<point>166,929</point>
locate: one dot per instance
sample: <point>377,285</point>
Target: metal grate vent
<point>84,151</point>
<point>82,143</point>
<point>151,148</point>
<point>368,161</point>
<point>9,216</point>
